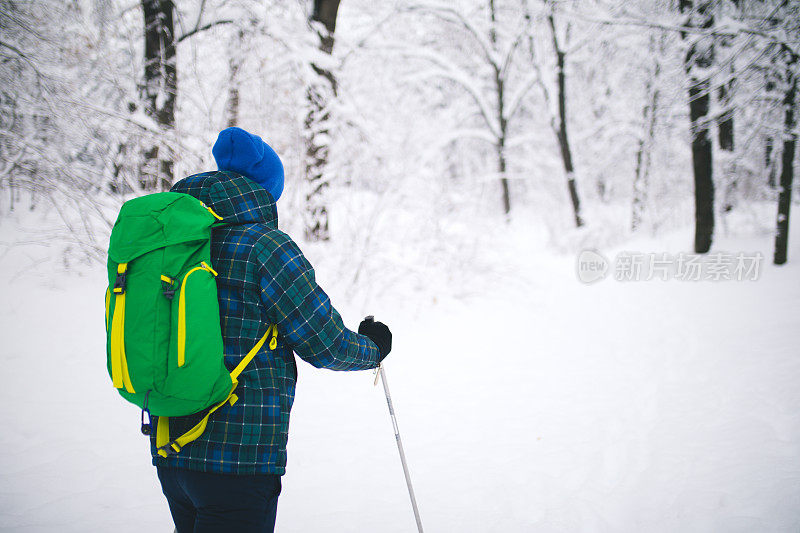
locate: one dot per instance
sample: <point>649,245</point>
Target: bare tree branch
<point>208,26</point>
<point>718,31</point>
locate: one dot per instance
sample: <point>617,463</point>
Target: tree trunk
<point>702,165</point>
<point>725,121</point>
<point>118,183</point>
<point>643,154</point>
<point>159,91</point>
<point>698,60</point>
<point>319,94</point>
<point>501,167</point>
<point>768,163</point>
<point>725,133</point>
<point>787,166</point>
<point>501,118</point>
<point>561,131</point>
<point>234,65</point>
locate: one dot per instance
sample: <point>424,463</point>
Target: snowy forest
<point>594,120</point>
<point>447,162</point>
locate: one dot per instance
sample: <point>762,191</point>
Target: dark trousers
<point>201,502</point>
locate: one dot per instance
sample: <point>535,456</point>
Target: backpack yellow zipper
<point>211,211</point>
<point>182,311</point>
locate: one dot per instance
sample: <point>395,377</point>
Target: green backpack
<point>164,340</point>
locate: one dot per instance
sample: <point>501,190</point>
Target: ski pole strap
<point>167,446</point>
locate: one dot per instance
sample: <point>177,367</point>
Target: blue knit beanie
<point>246,154</point>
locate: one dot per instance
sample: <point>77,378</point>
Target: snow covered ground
<point>541,404</point>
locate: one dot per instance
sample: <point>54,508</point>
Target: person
<point>229,479</point>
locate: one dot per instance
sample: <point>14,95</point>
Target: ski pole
<point>382,375</point>
<point>400,448</point>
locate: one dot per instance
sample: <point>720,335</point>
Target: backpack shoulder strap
<point>168,447</point>
<point>273,343</point>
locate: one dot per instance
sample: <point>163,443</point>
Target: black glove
<point>377,333</point>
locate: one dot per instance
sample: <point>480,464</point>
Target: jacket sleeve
<point>303,312</point>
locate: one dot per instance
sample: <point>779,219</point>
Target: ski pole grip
<point>370,319</point>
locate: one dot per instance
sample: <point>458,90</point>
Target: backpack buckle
<point>147,427</point>
<point>168,287</point>
<point>120,283</point>
<point>170,448</point>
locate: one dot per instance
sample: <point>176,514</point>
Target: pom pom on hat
<point>246,154</point>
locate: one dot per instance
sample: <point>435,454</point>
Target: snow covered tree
<point>784,21</point>
<point>787,160</point>
<point>561,126</point>
<point>234,68</point>
<point>726,87</point>
<point>159,91</point>
<point>320,93</point>
<point>63,115</point>
<point>699,61</point>
<point>645,147</point>
<point>483,59</point>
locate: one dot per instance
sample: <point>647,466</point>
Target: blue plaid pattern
<point>263,279</point>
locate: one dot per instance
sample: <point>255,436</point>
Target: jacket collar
<point>237,199</point>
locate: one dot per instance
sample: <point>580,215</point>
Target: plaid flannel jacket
<point>263,279</point>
